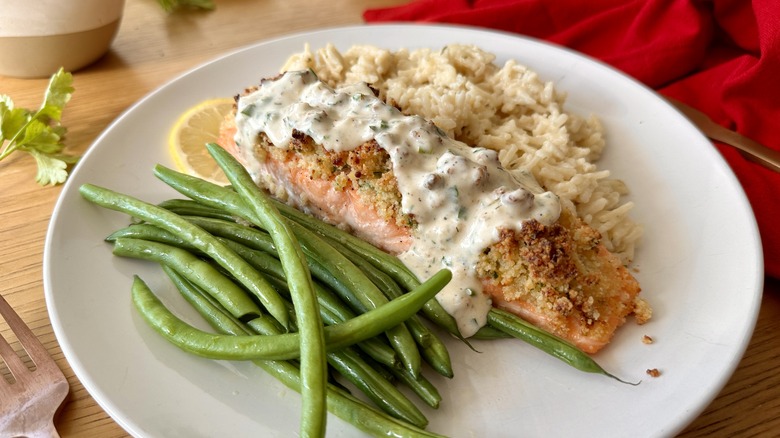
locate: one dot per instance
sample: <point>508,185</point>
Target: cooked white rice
<point>507,108</point>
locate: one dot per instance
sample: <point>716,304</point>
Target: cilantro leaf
<point>11,120</point>
<point>51,170</point>
<point>39,133</point>
<point>172,5</point>
<point>41,138</point>
<point>57,95</point>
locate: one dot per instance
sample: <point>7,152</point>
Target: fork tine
<point>29,406</point>
<point>12,360</point>
<point>27,339</point>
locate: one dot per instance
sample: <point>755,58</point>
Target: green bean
<point>149,232</point>
<point>230,295</point>
<point>248,236</point>
<point>357,249</point>
<point>207,193</point>
<point>260,240</point>
<point>271,266</point>
<point>226,199</point>
<point>547,342</point>
<point>370,420</point>
<point>340,274</point>
<point>263,325</point>
<point>366,292</point>
<point>188,207</point>
<point>219,197</point>
<point>335,271</point>
<point>349,408</point>
<point>420,386</point>
<point>346,361</point>
<point>262,260</point>
<point>431,347</point>
<point>285,346</point>
<point>205,303</point>
<point>382,369</point>
<point>380,351</point>
<point>374,347</point>
<point>214,196</point>
<point>350,365</point>
<point>313,361</point>
<point>199,238</point>
<point>381,260</point>
<point>389,288</point>
<point>339,403</point>
<point>488,333</point>
<point>368,380</point>
<point>332,310</point>
<point>491,332</point>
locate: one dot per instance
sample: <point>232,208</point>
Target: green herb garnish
<point>172,5</point>
<point>39,133</point>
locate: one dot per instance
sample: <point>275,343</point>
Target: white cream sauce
<point>459,196</point>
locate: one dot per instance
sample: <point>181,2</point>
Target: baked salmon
<point>398,182</point>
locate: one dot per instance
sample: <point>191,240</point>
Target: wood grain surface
<point>152,48</point>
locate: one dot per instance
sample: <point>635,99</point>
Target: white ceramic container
<point>37,37</point>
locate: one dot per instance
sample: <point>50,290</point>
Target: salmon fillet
<point>559,276</point>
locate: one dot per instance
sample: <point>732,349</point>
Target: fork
<point>753,150</point>
<point>29,404</point>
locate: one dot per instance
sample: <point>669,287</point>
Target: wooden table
<point>152,48</point>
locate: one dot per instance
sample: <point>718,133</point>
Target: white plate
<point>700,267</point>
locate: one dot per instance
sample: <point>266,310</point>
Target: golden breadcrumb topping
<point>366,169</point>
<point>642,310</point>
<point>559,270</point>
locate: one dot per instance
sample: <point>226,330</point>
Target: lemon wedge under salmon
<point>197,126</point>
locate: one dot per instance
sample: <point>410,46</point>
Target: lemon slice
<point>188,137</point>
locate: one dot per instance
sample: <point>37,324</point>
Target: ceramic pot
<point>37,37</point>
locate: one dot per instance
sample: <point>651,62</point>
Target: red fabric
<point>720,56</point>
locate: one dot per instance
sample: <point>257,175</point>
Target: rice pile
<point>507,108</point>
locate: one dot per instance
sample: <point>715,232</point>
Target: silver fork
<point>28,405</point>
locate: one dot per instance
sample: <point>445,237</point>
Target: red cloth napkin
<point>720,56</point>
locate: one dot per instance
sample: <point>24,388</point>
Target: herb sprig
<point>39,133</point>
<point>172,5</point>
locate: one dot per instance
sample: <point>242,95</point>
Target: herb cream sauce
<point>460,196</point>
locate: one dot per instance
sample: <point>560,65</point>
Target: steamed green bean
<point>339,402</point>
<point>284,346</point>
<point>199,238</point>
